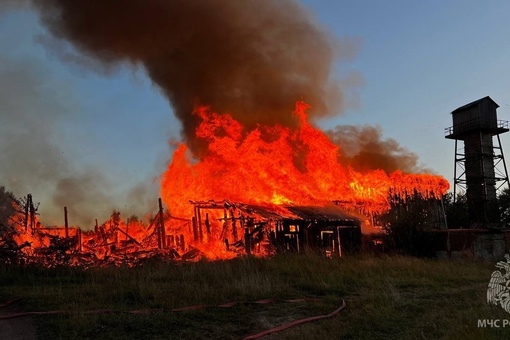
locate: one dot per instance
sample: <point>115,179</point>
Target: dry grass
<point>387,297</point>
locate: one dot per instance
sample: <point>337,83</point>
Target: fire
<point>279,165</point>
<point>249,185</point>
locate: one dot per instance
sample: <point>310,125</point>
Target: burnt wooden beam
<point>234,227</point>
<point>129,237</point>
<point>183,246</point>
<point>32,214</point>
<point>66,223</point>
<point>195,228</point>
<point>207,224</point>
<point>158,232</point>
<point>26,217</point>
<point>162,224</point>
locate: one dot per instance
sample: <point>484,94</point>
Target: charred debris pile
<point>217,230</point>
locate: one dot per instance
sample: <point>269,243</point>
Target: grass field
<point>387,297</point>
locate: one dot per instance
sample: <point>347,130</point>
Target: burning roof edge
<point>328,212</point>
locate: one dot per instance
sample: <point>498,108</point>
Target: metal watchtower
<point>480,168</point>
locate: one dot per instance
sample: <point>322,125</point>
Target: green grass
<point>387,297</point>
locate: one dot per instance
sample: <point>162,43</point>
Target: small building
<point>326,229</point>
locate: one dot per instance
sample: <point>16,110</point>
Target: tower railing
<point>474,124</point>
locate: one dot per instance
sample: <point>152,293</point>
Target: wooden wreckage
<point>264,230</point>
<point>217,230</point>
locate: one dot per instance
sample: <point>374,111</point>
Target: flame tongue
<point>279,165</point>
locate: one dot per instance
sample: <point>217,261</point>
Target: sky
<point>415,62</point>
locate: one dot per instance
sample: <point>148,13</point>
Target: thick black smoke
<point>363,148</point>
<point>253,58</point>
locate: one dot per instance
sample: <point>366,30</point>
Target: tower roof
<point>475,103</point>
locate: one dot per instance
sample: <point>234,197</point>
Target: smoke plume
<point>253,58</point>
<point>10,4</point>
<point>363,148</point>
<point>31,160</point>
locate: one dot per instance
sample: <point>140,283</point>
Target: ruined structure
<point>268,229</point>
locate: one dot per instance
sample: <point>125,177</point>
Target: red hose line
<point>190,308</point>
<point>295,323</point>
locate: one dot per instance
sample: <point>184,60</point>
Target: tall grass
<point>397,297</point>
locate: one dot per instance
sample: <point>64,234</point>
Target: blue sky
<point>419,60</point>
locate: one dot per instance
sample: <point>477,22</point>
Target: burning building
<point>286,177</point>
<point>237,75</point>
<point>254,191</point>
<point>267,229</point>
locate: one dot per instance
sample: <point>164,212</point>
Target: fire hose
<point>296,323</point>
<point>190,308</point>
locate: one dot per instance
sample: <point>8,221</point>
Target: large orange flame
<point>279,165</point>
<point>271,166</point>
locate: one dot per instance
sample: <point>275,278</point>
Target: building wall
<point>489,246</point>
<point>481,115</point>
<point>470,243</point>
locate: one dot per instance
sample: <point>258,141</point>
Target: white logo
<point>498,292</point>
